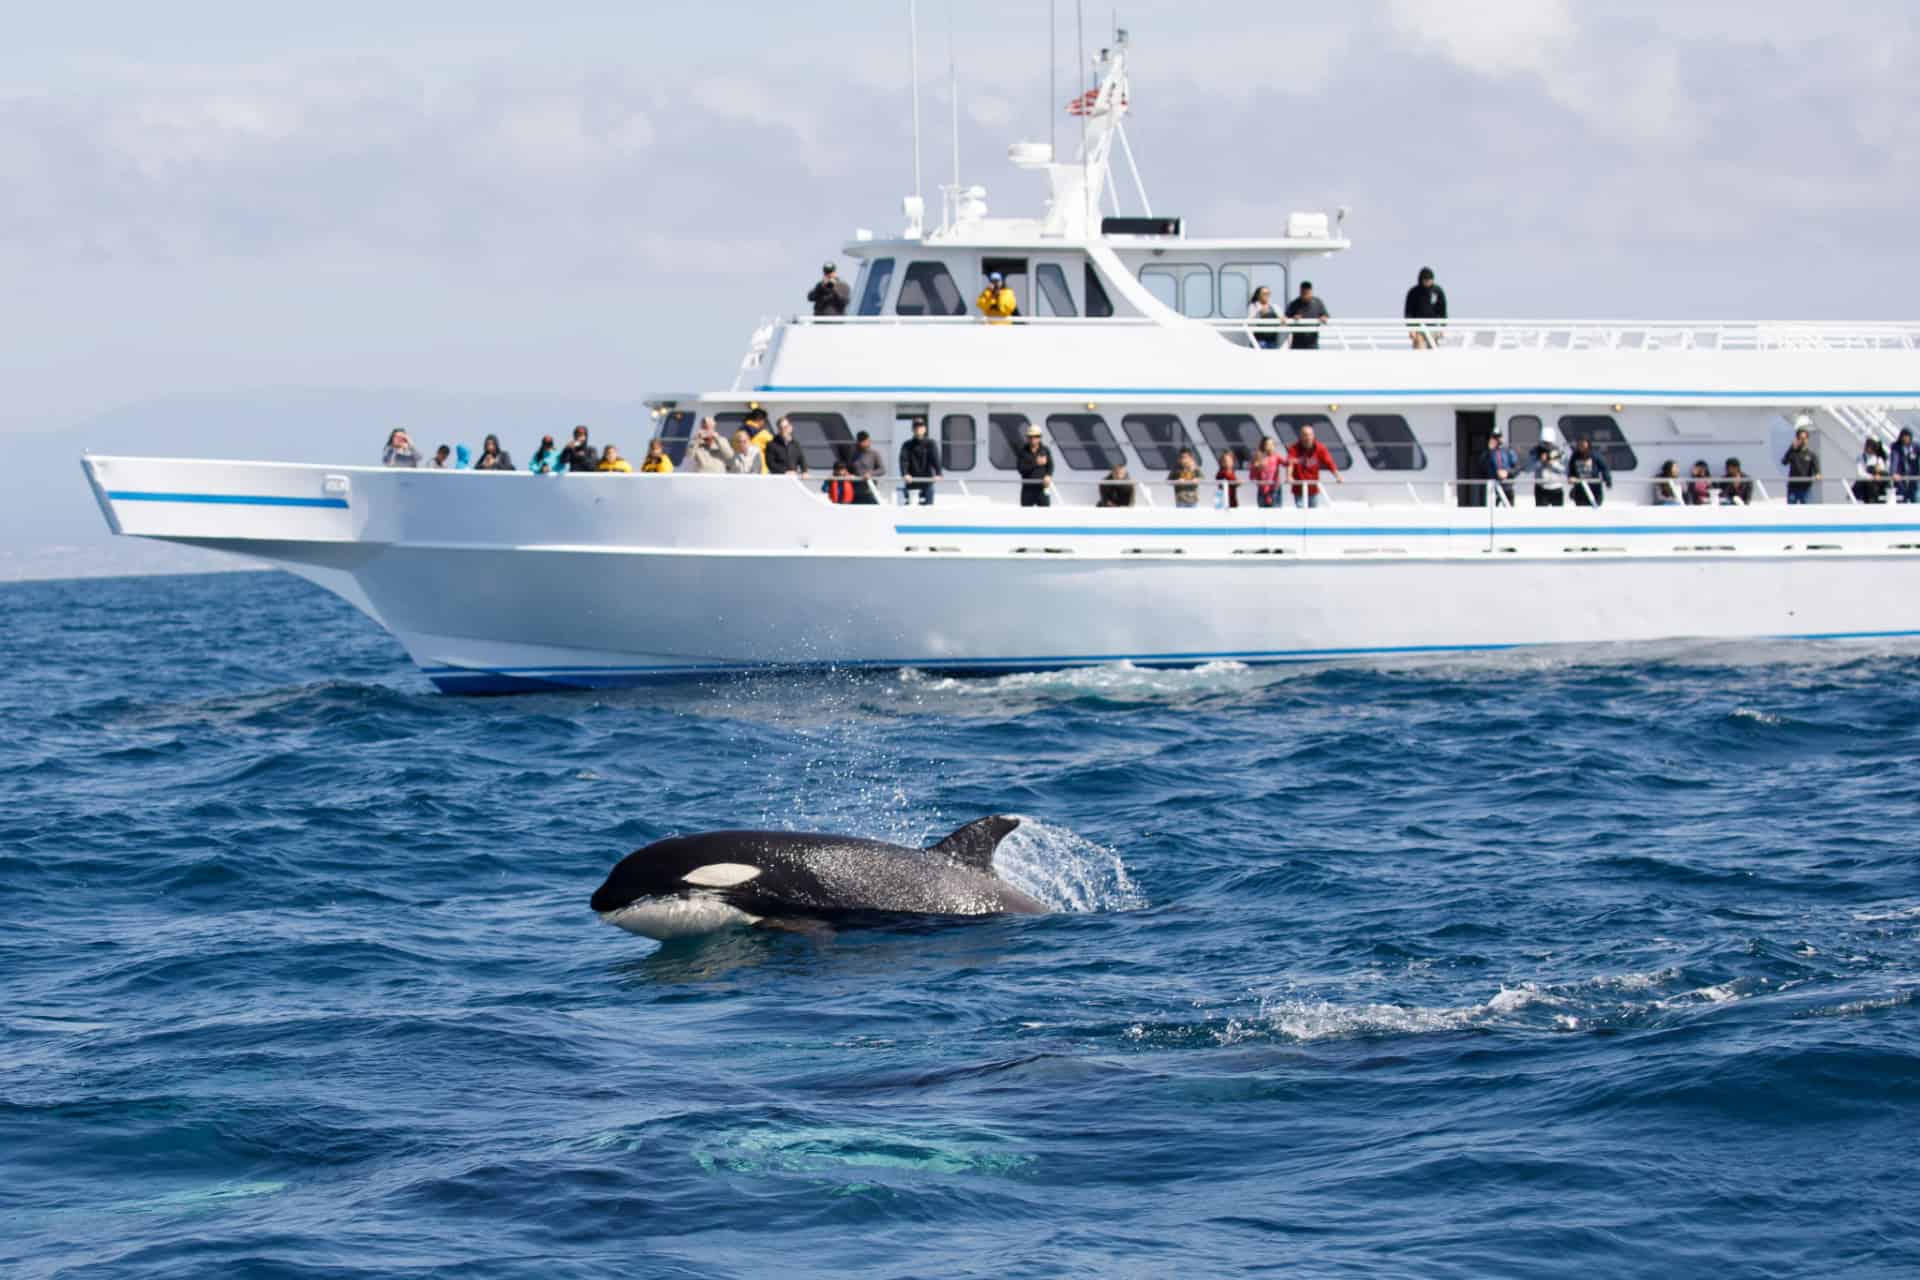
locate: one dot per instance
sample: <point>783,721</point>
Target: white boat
<point>1132,342</point>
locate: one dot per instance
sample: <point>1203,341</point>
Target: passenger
<point>708,453</point>
<point>1588,475</point>
<point>399,451</point>
<point>1699,491</point>
<point>1036,470</point>
<point>492,456</point>
<point>1549,476</point>
<point>462,458</point>
<point>1666,485</point>
<point>1803,466</point>
<point>1265,473</point>
<point>443,458</point>
<point>1117,489</point>
<point>782,453</point>
<point>1426,301</point>
<point>612,461</point>
<point>1260,307</point>
<point>1185,478</point>
<point>864,462</point>
<point>1734,487</point>
<point>746,460</point>
<point>546,459</point>
<point>1307,310</point>
<point>656,463</point>
<point>1306,459</point>
<point>1872,485</point>
<point>1227,480</point>
<point>760,433</point>
<point>996,301</point>
<point>920,464</point>
<point>578,455</point>
<point>829,297</point>
<point>840,487</point>
<point>1499,467</point>
<point>1904,465</point>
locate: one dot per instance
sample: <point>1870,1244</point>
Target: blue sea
<point>1506,966</point>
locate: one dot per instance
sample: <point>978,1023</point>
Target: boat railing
<point>1370,334</point>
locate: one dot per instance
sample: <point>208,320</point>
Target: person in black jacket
<point>829,297</point>
<point>1426,301</point>
<point>493,457</point>
<point>579,456</point>
<point>1036,470</point>
<point>920,463</point>
<point>1588,477</point>
<point>1803,465</point>
<point>783,452</point>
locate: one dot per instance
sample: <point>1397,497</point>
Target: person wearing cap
<point>1303,311</point>
<point>1499,464</point>
<point>1036,470</point>
<point>1426,301</point>
<point>920,464</point>
<point>829,297</point>
<point>996,301</point>
<point>1549,476</point>
<point>864,462</point>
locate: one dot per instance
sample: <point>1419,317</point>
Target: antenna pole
<point>1053,88</point>
<point>1086,194</point>
<point>913,25</point>
<point>953,98</point>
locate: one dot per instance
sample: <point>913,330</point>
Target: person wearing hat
<point>997,303</point>
<point>829,297</point>
<point>1499,465</point>
<point>1426,301</point>
<point>1549,476</point>
<point>1036,470</point>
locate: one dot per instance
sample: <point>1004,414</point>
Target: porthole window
<point>1608,440</point>
<point>958,443</point>
<point>1085,441</point>
<point>1387,442</point>
<point>1287,427</point>
<point>1157,437</point>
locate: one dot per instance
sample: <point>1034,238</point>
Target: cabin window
<point>675,430</point>
<point>1237,431</point>
<point>1085,441</point>
<point>1055,298</point>
<point>1196,292</point>
<point>1387,442</point>
<point>823,439</point>
<point>1287,427</point>
<point>957,442</point>
<point>1006,437</point>
<point>1157,437</point>
<point>879,274</point>
<point>928,290</point>
<point>1238,280</point>
<point>728,423</point>
<point>1099,305</point>
<point>1608,440</point>
<point>1523,434</point>
<point>1163,284</point>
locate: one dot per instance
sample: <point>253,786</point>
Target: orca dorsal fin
<point>973,845</point>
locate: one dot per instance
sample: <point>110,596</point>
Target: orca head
<point>675,888</point>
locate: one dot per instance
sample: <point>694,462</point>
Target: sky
<point>211,198</point>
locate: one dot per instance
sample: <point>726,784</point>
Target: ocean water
<point>1503,966</point>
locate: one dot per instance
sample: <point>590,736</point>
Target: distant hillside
<point>50,526</point>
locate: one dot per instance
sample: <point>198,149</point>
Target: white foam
<point>1066,871</point>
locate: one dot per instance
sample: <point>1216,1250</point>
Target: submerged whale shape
<point>691,885</point>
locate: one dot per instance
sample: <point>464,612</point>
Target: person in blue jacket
<point>1500,466</point>
<point>1903,464</point>
<point>1588,477</point>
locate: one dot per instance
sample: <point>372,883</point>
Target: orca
<point>691,885</point>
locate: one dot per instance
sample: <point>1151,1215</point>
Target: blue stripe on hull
<point>464,680</point>
<point>226,499</point>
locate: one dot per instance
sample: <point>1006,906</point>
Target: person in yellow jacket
<point>759,433</point>
<point>996,301</point>
<point>656,463</point>
<point>612,461</point>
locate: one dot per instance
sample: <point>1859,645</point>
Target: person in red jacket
<point>1306,459</point>
<point>840,487</point>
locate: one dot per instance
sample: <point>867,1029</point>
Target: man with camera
<point>829,297</point>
